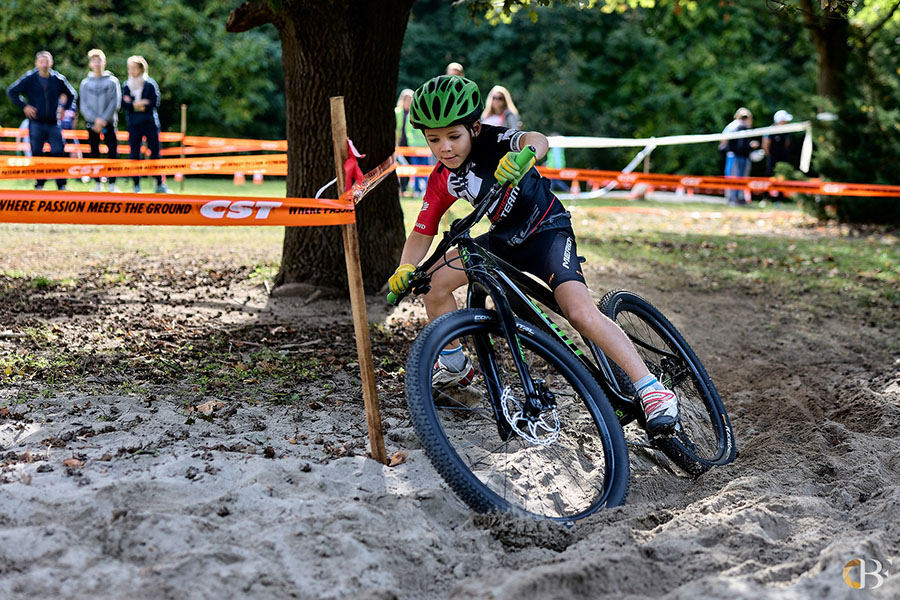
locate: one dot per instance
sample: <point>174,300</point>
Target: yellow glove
<point>399,281</point>
<point>509,171</point>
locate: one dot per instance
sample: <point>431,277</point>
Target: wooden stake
<point>357,293</point>
<point>183,132</point>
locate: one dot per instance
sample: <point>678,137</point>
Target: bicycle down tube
<point>524,306</point>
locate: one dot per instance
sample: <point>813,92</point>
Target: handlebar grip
<point>525,156</point>
<point>393,298</point>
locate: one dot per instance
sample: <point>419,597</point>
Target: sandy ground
<point>119,486</point>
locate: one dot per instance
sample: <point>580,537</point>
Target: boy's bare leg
<point>579,309</point>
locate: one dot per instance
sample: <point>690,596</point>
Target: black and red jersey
<point>523,210</point>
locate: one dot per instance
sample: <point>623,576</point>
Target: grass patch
<point>862,271</point>
<point>264,271</point>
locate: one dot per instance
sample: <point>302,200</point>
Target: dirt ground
<point>169,430</point>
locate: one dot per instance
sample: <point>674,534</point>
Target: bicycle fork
<point>537,397</point>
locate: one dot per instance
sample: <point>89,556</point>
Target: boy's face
<point>451,145</point>
<point>97,64</point>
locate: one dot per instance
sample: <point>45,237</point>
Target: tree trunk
<point>348,48</point>
<point>833,49</point>
<point>831,36</point>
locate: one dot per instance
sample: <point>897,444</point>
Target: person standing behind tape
<point>500,109</point>
<point>100,97</point>
<point>407,135</point>
<point>737,156</point>
<point>776,145</point>
<point>38,93</point>
<point>140,97</point>
<point>455,68</point>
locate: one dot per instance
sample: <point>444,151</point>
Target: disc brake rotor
<point>542,430</point>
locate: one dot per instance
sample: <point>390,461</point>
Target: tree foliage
<point>624,68</point>
<point>651,71</point>
<point>863,144</point>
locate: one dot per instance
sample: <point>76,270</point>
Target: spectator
<point>500,110</point>
<point>24,139</point>
<point>101,98</point>
<point>407,135</point>
<point>42,88</point>
<point>556,159</point>
<point>140,97</point>
<point>67,122</point>
<point>455,68</point>
<point>737,156</point>
<point>776,145</point>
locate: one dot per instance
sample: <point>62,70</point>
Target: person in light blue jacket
<point>100,98</point>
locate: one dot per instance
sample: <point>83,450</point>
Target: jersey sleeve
<point>497,141</point>
<point>435,203</point>
<point>507,140</point>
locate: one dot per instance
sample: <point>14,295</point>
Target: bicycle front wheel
<point>703,437</point>
<point>563,466</point>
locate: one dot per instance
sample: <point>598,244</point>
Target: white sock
<point>453,359</point>
<point>648,383</point>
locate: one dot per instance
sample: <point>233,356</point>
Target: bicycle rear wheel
<point>703,437</point>
<point>570,465</point>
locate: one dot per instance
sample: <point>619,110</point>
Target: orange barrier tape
<point>84,148</point>
<point>197,150</point>
<point>413,151</point>
<point>272,145</point>
<point>90,208</point>
<point>754,184</point>
<point>19,167</point>
<point>371,179</point>
<point>695,182</point>
<point>82,134</point>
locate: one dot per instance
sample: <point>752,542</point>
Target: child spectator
<point>101,98</point>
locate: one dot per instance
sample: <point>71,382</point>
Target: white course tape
<point>559,141</point>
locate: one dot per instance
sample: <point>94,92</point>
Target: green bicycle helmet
<point>445,101</point>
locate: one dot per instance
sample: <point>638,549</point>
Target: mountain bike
<point>539,428</point>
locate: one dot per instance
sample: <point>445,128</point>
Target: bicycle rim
<point>562,472</point>
<point>703,437</point>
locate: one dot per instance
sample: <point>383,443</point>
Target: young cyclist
<point>530,229</point>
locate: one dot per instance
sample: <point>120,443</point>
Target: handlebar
<point>461,226</point>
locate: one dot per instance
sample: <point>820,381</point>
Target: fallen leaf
<point>208,407</point>
<point>4,412</point>
<point>398,458</point>
<point>292,440</point>
<point>73,462</point>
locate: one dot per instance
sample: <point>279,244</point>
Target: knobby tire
<point>703,437</point>
<point>586,468</point>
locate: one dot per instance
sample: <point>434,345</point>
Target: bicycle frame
<point>515,293</point>
<point>490,276</point>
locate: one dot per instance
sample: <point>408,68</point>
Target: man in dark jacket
<point>38,93</point>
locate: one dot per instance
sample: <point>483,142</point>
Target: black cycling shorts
<point>550,255</point>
